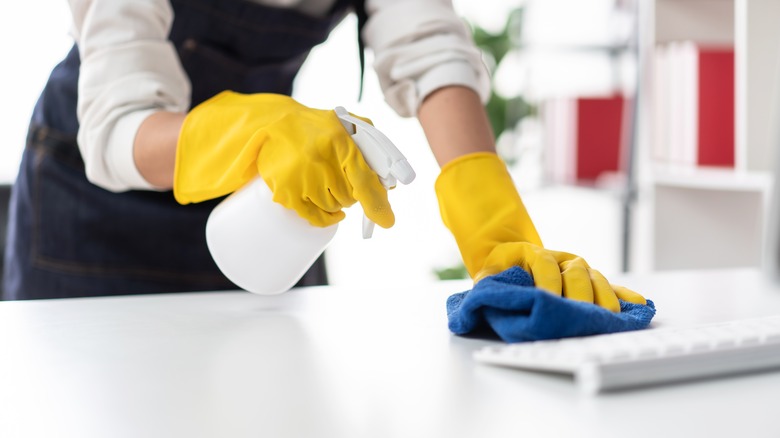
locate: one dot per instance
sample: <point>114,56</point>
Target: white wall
<point>33,38</point>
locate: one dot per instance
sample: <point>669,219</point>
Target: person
<point>193,96</point>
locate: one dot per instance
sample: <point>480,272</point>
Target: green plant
<point>456,272</point>
<point>504,113</point>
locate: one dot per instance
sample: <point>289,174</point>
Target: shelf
<point>711,178</point>
<point>707,229</point>
<point>702,21</point>
<point>706,217</point>
<point>698,210</point>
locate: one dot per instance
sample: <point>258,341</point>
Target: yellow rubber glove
<point>305,155</point>
<point>481,207</point>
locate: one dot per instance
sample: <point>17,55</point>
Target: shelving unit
<point>706,217</point>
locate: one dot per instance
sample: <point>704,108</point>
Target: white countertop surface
<point>343,362</point>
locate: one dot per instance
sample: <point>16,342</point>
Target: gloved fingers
<point>316,215</point>
<point>603,295</point>
<point>312,198</point>
<point>509,254</point>
<point>535,260</point>
<point>332,193</point>
<point>365,119</point>
<point>562,256</point>
<point>499,259</point>
<point>379,212</point>
<point>368,190</point>
<point>325,200</point>
<point>627,294</point>
<point>545,271</point>
<point>576,280</point>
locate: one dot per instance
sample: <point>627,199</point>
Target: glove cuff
<point>480,206</point>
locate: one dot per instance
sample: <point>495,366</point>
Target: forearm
<point>154,149</point>
<point>455,123</point>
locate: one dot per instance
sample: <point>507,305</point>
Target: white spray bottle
<point>266,248</point>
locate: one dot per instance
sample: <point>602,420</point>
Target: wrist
<point>154,148</point>
<point>455,123</point>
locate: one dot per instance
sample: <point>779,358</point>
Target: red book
<point>716,107</point>
<point>599,136</point>
<point>694,99</point>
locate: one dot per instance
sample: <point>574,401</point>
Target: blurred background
<point>636,130</point>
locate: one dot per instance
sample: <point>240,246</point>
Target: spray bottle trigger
<point>368,227</point>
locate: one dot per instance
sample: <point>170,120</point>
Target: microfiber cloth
<point>508,305</point>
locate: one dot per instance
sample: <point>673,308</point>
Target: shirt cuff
<point>119,151</point>
<point>452,73</point>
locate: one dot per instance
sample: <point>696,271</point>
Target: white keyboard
<point>648,357</point>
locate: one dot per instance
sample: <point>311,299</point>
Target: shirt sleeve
<point>420,46</point>
<point>129,70</point>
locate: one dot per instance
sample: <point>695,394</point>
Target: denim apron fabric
<point>70,238</point>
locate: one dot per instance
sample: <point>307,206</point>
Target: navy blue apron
<point>70,238</point>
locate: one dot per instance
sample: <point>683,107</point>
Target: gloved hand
<point>481,207</point>
<point>558,272</point>
<point>305,155</point>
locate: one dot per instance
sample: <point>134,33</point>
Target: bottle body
<point>260,245</point>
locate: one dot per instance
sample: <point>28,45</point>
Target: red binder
<point>598,140</point>
<point>716,107</point>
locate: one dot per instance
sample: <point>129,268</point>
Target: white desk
<point>338,362</point>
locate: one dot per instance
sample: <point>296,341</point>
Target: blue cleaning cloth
<point>508,305</point>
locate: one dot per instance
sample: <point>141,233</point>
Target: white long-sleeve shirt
<point>129,69</point>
